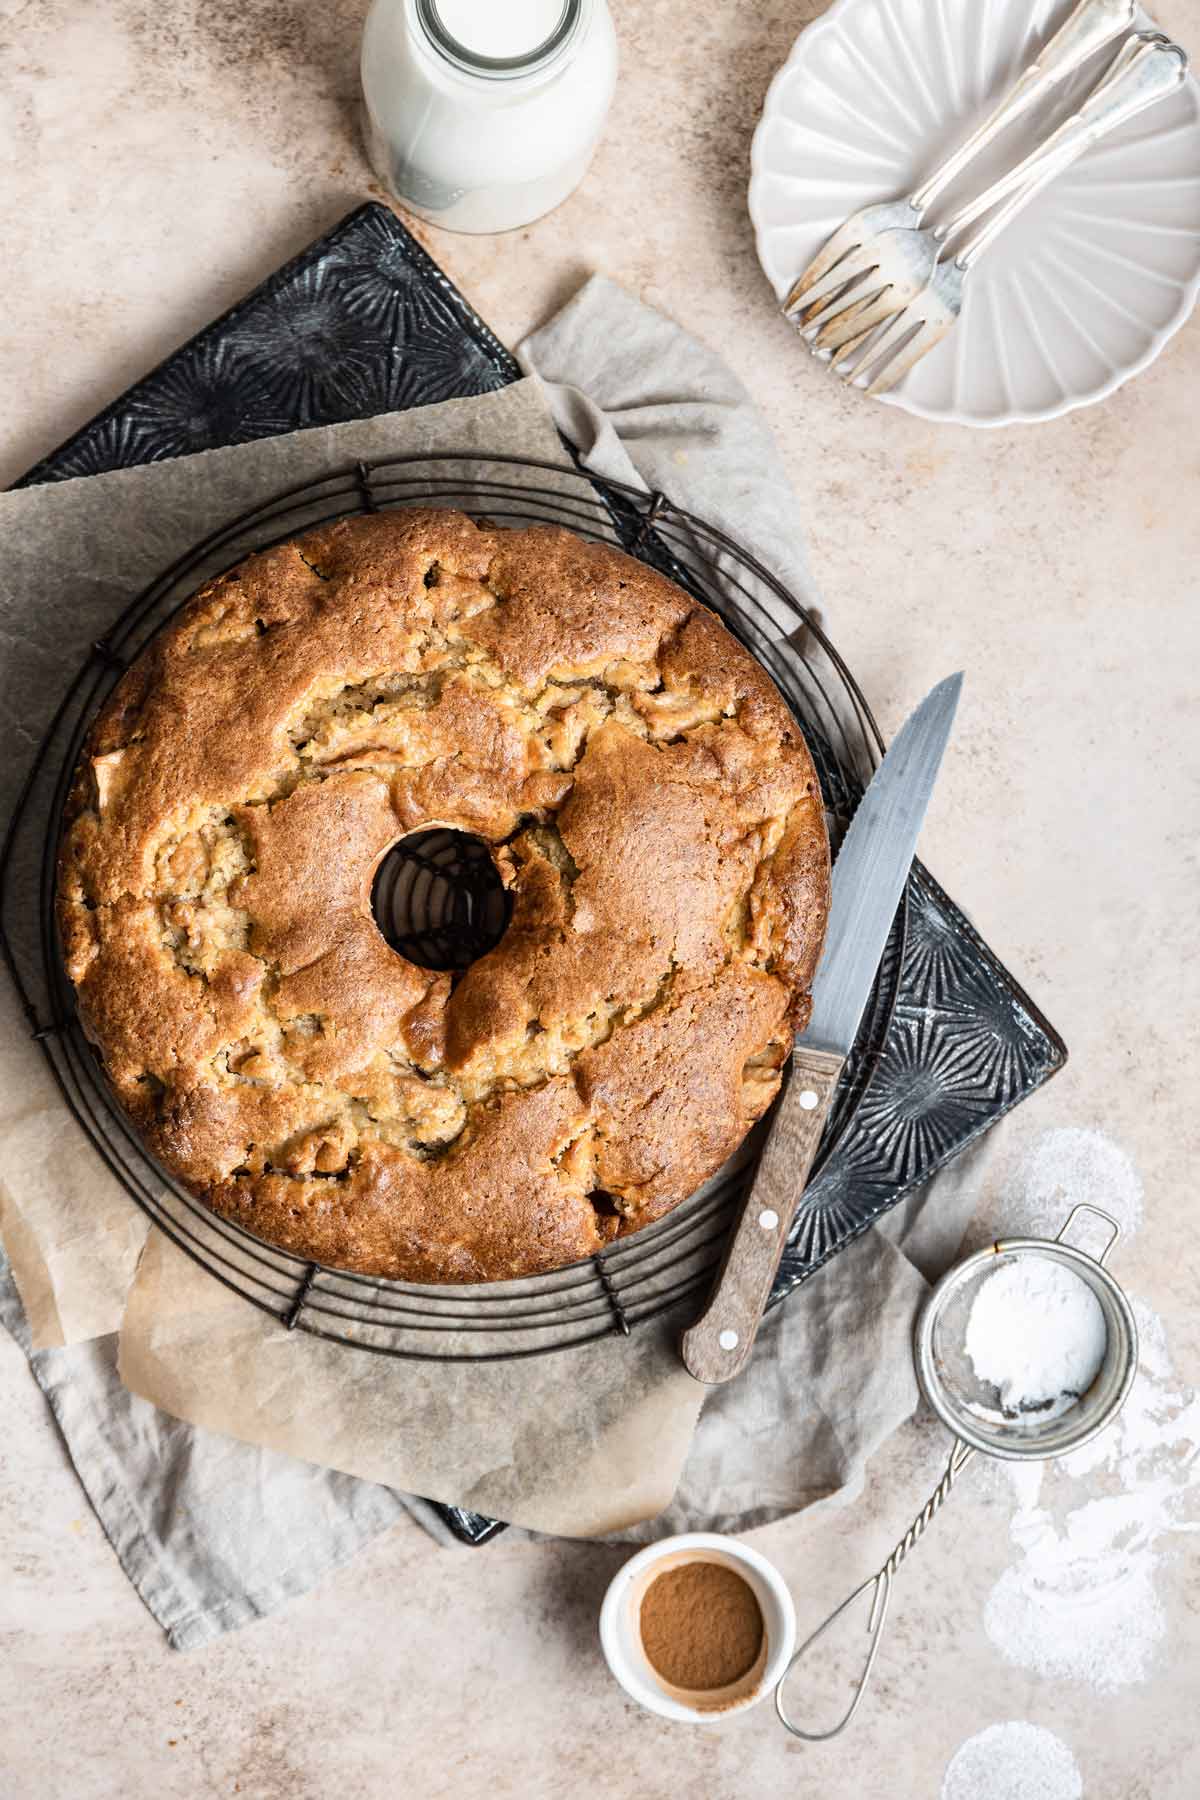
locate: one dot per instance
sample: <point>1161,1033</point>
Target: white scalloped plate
<point>1080,293</point>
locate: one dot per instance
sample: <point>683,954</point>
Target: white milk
<point>483,116</point>
<point>507,28</point>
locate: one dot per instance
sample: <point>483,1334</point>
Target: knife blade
<point>868,879</point>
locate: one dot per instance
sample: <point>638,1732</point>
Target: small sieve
<point>973,1411</point>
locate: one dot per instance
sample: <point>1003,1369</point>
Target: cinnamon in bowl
<point>702,1632</point>
<point>697,1627</point>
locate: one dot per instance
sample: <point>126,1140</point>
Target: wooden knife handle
<point>718,1345</point>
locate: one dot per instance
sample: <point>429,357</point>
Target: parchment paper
<point>578,1444</point>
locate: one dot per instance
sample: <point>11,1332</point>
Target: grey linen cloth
<point>214,1532</point>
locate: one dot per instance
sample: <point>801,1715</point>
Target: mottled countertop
<point>160,157</point>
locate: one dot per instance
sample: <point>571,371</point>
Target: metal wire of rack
<point>439,902</point>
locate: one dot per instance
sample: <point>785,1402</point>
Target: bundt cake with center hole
<point>651,807</point>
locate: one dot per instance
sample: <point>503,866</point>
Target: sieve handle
<point>880,1585</point>
<point>1085,1206</point>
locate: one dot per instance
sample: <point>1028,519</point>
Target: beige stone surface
<point>160,156</point>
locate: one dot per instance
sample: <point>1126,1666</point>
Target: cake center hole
<point>438,899</point>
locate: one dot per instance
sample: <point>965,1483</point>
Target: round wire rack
<point>436,899</point>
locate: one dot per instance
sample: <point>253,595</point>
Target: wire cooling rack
<point>436,898</point>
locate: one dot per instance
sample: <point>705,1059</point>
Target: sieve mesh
<point>972,1407</point>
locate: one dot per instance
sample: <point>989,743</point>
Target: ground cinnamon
<point>701,1626</point>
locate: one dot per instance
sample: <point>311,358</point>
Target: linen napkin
<point>195,1516</point>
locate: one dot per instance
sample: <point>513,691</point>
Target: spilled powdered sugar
<point>1081,1602</point>
<point>1013,1761</point>
<point>1063,1167</point>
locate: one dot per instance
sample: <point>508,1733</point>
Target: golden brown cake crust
<point>649,801</point>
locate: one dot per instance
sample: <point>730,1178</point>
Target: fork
<point>1146,69</point>
<point>905,260</point>
<point>851,251</point>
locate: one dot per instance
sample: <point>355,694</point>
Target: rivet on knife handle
<point>718,1345</point>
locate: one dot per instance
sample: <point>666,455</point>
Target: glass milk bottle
<point>483,114</point>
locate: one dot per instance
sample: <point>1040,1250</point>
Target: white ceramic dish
<point>1082,292</point>
<point>621,1641</point>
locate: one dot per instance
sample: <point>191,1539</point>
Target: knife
<point>868,879</point>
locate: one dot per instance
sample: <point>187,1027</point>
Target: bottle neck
<point>551,28</point>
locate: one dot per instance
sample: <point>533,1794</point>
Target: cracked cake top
<point>651,806</point>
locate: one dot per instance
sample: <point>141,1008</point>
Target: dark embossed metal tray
<point>365,322</point>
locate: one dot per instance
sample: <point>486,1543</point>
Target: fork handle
<point>1133,51</point>
<point>1149,76</point>
<point>1092,24</point>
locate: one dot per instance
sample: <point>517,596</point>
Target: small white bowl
<point>622,1643</point>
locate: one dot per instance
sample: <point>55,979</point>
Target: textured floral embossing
<point>363,322</point>
<point>962,1047</point>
